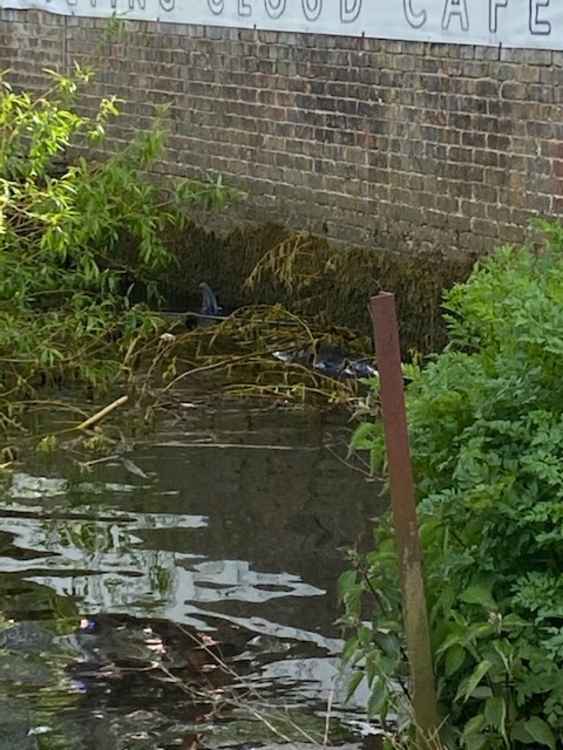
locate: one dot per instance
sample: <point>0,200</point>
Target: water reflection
<point>239,541</point>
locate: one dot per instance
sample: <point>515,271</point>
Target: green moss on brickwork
<point>268,264</point>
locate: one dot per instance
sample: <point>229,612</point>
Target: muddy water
<point>227,525</point>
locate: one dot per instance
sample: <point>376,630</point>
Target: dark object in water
<point>335,363</point>
<point>360,368</point>
<point>330,361</point>
<point>115,643</point>
<point>145,664</point>
<point>304,357</point>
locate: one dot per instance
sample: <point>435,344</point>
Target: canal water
<point>183,592</point>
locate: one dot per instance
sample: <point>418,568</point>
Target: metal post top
<point>380,296</point>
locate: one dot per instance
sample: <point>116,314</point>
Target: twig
<point>230,671</point>
<point>88,464</point>
<point>350,465</point>
<point>228,362</point>
<point>95,418</point>
<point>204,368</point>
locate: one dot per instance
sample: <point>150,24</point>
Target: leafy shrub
<point>74,236</point>
<point>486,430</point>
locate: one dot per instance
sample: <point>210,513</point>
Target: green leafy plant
<point>486,430</point>
<point>76,237</point>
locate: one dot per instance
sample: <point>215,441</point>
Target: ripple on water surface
<point>224,529</point>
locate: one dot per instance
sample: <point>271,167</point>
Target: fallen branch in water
<point>94,419</point>
<point>104,459</point>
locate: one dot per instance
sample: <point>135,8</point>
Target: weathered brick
<point>442,144</point>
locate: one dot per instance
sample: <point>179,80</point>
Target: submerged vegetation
<point>486,429</point>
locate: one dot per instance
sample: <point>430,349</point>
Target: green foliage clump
<point>75,236</point>
<point>486,429</point>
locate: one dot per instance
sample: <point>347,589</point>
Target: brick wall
<point>370,142</point>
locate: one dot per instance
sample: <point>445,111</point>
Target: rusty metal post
<point>415,617</point>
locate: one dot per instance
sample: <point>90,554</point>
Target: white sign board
<point>510,23</point>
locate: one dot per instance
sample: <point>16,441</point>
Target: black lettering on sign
<point>415,19</point>
<point>538,27</point>
<point>494,5</point>
<point>141,3</point>
<point>244,9</point>
<point>167,5</point>
<point>350,10</point>
<point>275,8</point>
<point>455,8</point>
<point>312,9</point>
<point>216,6</point>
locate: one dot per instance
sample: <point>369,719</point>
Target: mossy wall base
<point>310,277</point>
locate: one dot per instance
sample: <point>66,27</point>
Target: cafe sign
<point>506,23</point>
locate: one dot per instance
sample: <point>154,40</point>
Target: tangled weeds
<point>244,354</point>
<point>241,356</point>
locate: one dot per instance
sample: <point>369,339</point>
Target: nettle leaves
<point>486,431</point>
